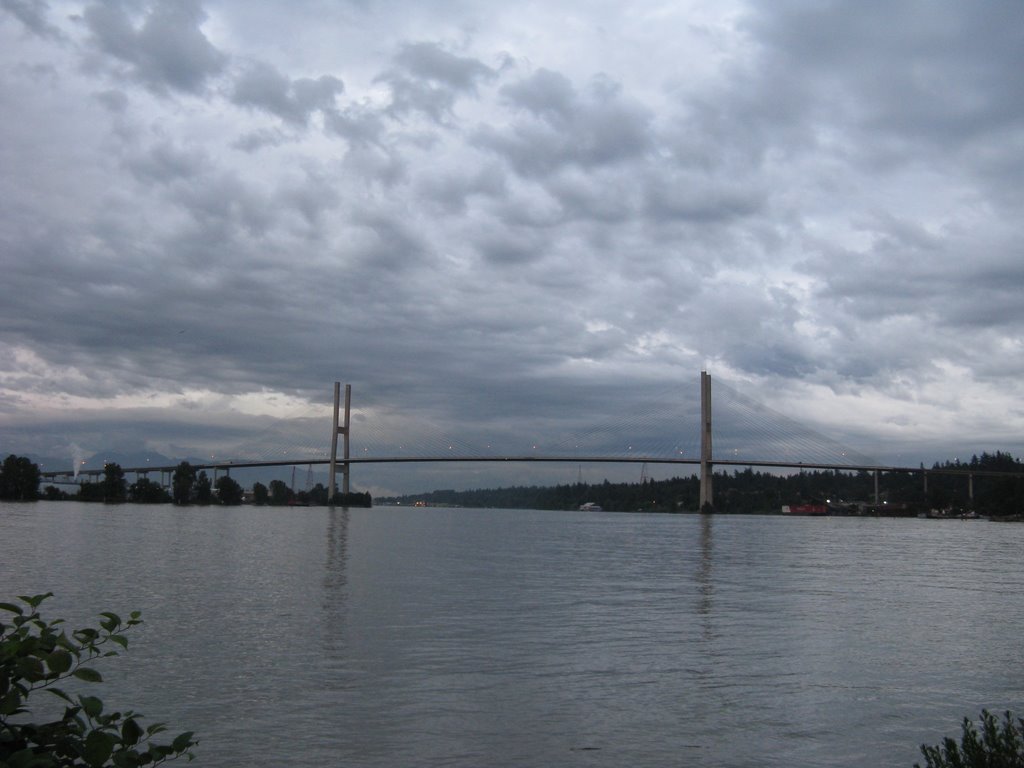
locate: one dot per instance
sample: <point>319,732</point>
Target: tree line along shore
<point>20,481</point>
<point>745,491</point>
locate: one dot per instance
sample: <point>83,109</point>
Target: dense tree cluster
<point>19,479</point>
<point>229,492</point>
<point>999,496</point>
<point>279,494</point>
<point>146,491</point>
<point>114,486</point>
<point>191,487</point>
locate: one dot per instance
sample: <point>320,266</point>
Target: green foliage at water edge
<point>37,655</point>
<point>995,745</point>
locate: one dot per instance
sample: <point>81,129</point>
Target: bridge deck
<point>769,464</point>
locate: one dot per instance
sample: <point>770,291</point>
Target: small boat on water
<point>590,507</point>
<point>804,509</point>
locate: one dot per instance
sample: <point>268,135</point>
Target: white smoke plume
<point>77,458</point>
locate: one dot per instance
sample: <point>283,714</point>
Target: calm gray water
<point>462,637</point>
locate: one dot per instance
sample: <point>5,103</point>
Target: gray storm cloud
<point>533,211</point>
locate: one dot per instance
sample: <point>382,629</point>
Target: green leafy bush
<point>37,655</point>
<point>996,746</point>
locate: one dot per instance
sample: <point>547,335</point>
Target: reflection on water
<point>335,576</point>
<point>704,574</point>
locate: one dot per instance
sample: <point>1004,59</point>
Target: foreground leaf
<point>89,675</point>
<point>99,746</point>
<point>182,741</point>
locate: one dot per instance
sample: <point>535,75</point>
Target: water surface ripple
<point>462,637</point>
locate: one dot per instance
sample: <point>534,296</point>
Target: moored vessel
<point>804,509</point>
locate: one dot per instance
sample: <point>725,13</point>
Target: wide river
<point>467,637</point>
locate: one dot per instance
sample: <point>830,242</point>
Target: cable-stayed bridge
<point>663,428</point>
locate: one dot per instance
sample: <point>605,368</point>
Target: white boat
<point>590,507</point>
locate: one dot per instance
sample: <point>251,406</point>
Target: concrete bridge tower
<point>707,499</point>
<point>343,430</point>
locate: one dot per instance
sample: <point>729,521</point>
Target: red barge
<point>804,509</point>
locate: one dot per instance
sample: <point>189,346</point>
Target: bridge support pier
<point>342,430</point>
<point>707,497</point>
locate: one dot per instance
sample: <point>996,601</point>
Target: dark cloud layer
<point>294,101</point>
<point>166,50</point>
<point>499,222</point>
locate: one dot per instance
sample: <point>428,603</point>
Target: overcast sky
<point>509,218</point>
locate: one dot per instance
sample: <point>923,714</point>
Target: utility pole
<point>707,497</point>
<point>343,430</point>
